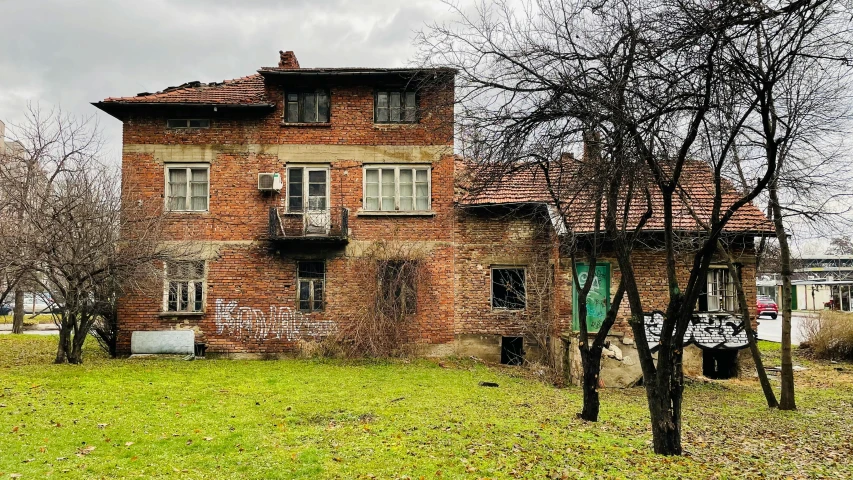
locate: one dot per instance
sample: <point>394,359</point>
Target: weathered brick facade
<point>250,294</point>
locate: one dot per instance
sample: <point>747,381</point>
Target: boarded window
<point>184,286</point>
<point>508,288</point>
<point>311,279</point>
<point>597,299</point>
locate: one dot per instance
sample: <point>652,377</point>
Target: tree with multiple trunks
<point>669,90</point>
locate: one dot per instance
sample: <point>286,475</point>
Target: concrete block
<point>171,342</point>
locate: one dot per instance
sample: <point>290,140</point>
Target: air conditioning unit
<point>269,182</point>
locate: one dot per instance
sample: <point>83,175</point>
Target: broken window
<point>720,294</point>
<point>187,188</point>
<point>397,280</point>
<point>396,188</point>
<point>188,123</point>
<point>184,290</point>
<point>306,107</point>
<point>508,288</point>
<point>395,107</point>
<point>311,279</point>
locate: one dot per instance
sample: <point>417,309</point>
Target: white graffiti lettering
<point>705,330</point>
<point>281,323</point>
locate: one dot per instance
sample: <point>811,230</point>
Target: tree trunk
<point>76,356</point>
<point>591,359</point>
<point>750,333</point>
<point>63,348</point>
<point>665,399</point>
<point>18,315</point>
<point>787,395</point>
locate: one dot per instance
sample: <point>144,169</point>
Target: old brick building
<point>290,178</point>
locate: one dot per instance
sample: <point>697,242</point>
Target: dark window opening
<point>306,107</point>
<point>188,123</point>
<point>719,364</point>
<point>397,280</point>
<point>508,288</point>
<point>311,279</point>
<point>512,350</point>
<point>395,107</point>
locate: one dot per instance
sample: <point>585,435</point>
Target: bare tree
<point>650,78</point>
<point>86,243</point>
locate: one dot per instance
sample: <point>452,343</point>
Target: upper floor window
<point>395,107</point>
<point>184,290</point>
<point>187,188</point>
<point>306,107</point>
<point>396,188</point>
<point>307,189</point>
<point>188,123</point>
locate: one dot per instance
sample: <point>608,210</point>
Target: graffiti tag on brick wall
<point>705,330</point>
<point>278,323</point>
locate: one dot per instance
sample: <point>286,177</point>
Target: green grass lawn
<point>29,319</point>
<point>336,419</point>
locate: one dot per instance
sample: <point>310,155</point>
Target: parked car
<point>767,306</point>
<point>5,308</point>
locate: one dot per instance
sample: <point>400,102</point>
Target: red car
<point>766,306</point>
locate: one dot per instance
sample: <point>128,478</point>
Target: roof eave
<point>114,108</point>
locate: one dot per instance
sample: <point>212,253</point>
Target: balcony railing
<point>317,225</point>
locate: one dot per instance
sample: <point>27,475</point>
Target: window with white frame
<point>720,294</point>
<point>396,188</point>
<point>395,107</point>
<point>509,289</point>
<point>307,189</point>
<point>184,286</point>
<point>311,277</point>
<point>187,188</point>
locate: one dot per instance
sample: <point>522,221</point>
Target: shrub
<point>830,335</point>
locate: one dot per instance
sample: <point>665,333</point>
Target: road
<point>39,329</point>
<point>771,330</point>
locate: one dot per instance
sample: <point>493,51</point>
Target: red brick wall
<point>261,277</point>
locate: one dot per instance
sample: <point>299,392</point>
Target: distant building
<point>818,282</point>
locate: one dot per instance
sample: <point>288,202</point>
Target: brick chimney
<point>288,60</point>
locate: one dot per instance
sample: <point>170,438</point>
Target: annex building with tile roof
<point>317,198</point>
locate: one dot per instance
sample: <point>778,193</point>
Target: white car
<point>36,303</point>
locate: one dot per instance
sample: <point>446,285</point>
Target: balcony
<point>328,227</point>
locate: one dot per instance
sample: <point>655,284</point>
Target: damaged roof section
<point>529,184</point>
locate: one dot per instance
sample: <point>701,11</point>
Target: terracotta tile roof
<point>528,184</point>
<point>240,91</point>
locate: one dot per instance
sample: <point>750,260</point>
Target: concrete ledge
<point>169,342</point>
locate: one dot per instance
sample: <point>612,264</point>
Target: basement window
<point>311,278</point>
<point>508,288</point>
<point>184,286</point>
<point>188,123</point>
<point>719,364</point>
<point>512,350</point>
<point>306,107</point>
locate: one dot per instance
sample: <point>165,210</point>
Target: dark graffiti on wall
<point>705,330</point>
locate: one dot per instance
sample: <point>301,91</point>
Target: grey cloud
<point>70,53</point>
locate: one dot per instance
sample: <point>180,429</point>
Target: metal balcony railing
<point>330,225</point>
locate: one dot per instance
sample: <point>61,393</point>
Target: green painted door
<point>598,299</point>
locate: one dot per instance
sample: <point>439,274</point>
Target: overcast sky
<point>74,52</point>
<point>70,53</point>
